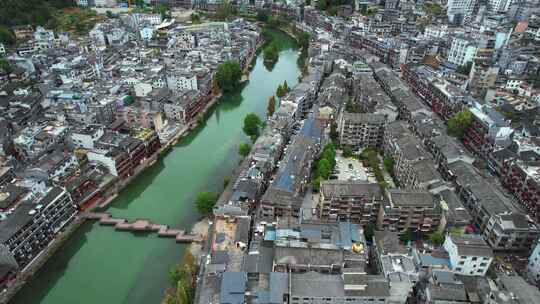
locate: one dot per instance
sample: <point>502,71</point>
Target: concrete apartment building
<point>416,210</point>
<point>33,224</point>
<point>354,201</point>
<point>469,254</point>
<point>361,130</point>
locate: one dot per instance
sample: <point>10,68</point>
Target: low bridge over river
<point>142,225</point>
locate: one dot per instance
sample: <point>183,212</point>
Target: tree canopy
<point>6,35</point>
<point>436,238</point>
<point>369,232</point>
<point>228,76</point>
<point>271,52</point>
<point>33,12</point>
<point>324,166</point>
<point>407,236</point>
<point>263,15</point>
<point>353,107</point>
<point>271,108</point>
<point>347,152</point>
<point>244,149</point>
<point>389,164</point>
<point>334,134</point>
<point>252,126</point>
<point>464,69</point>
<point>205,202</point>
<point>5,68</point>
<point>459,123</point>
<point>283,89</point>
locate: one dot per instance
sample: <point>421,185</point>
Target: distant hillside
<point>35,12</point>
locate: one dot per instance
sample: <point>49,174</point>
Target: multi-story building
<point>488,132</point>
<point>523,180</point>
<point>460,11</point>
<point>462,50</point>
<point>444,98</point>
<point>511,231</point>
<point>284,195</point>
<point>116,161</point>
<point>415,210</point>
<point>357,202</point>
<point>469,254</point>
<point>181,82</point>
<point>533,267</point>
<point>34,224</point>
<point>501,5</point>
<point>504,228</point>
<point>361,130</point>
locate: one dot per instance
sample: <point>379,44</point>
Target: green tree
<point>324,168</point>
<point>334,134</point>
<point>286,87</point>
<point>195,18</point>
<point>283,89</point>
<point>332,11</point>
<point>316,184</point>
<point>139,3</point>
<point>271,53</point>
<point>322,5</point>
<point>176,273</point>
<point>6,36</point>
<point>369,232</point>
<point>436,238</point>
<point>347,152</point>
<point>464,69</point>
<point>459,123</point>
<point>226,182</point>
<point>205,202</point>
<point>109,14</point>
<point>225,11</point>
<point>389,164</point>
<point>252,126</point>
<point>244,149</point>
<point>407,236</point>
<point>303,40</point>
<point>184,292</point>
<point>6,68</point>
<point>263,15</point>
<point>352,107</point>
<point>271,108</point>
<point>163,10</point>
<point>228,76</point>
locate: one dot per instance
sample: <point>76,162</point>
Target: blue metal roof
<point>270,235</point>
<point>233,288</point>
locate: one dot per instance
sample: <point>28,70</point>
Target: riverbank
<point>97,264</point>
<point>103,203</point>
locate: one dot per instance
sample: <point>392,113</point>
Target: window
<point>461,263</point>
<point>474,258</point>
<point>458,269</point>
<point>483,264</point>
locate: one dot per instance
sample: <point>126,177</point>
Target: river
<point>100,265</point>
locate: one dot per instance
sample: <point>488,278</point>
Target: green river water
<point>100,265</point>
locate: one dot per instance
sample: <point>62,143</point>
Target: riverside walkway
<point>141,225</point>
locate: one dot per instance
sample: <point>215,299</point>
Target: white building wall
<point>86,141</point>
<point>100,157</point>
<point>466,265</point>
<point>533,268</point>
<point>182,83</point>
